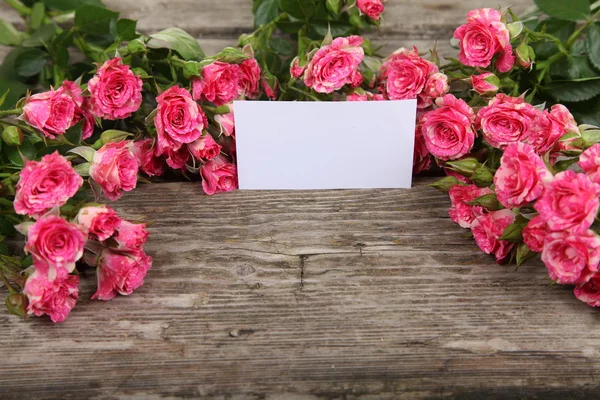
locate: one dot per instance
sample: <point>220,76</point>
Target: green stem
<point>309,95</point>
<point>571,40</point>
<point>14,111</point>
<point>20,7</point>
<point>11,289</point>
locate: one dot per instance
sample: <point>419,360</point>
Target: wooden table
<point>355,294</point>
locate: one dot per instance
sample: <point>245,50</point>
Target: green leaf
<point>15,154</point>
<point>281,46</point>
<point>290,26</point>
<point>41,37</point>
<point>15,90</point>
<point>322,28</point>
<point>95,20</point>
<point>38,11</point>
<point>6,227</point>
<point>178,40</point>
<point>231,55</point>
<point>593,44</point>
<point>514,232</point>
<point>4,96</point>
<point>59,47</point>
<point>556,27</point>
<point>266,12</point>
<point>571,10</point>
<point>30,62</point>
<point>9,35</point>
<point>574,91</point>
<point>69,5</point>
<point>73,134</point>
<point>126,29</point>
<point>303,9</point>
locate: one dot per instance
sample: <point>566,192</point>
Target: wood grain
<point>355,294</point>
<point>310,295</point>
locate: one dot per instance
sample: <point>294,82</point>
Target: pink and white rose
<point>250,78</point>
<point>177,159</point>
<point>121,273</point>
<point>534,233</point>
<point>485,84</point>
<point>114,167</point>
<point>51,112</point>
<point>589,161</point>
<point>179,120</point>
<point>461,211</point>
<point>204,148</point>
<point>56,297</point>
<point>421,156</point>
<point>448,131</point>
<point>226,122</point>
<point>589,292</point>
<point>571,258</point>
<point>129,236</point>
<point>45,184</point>
<point>54,244</point>
<point>219,175</point>
<point>220,83</point>
<point>99,222</point>
<point>145,154</point>
<point>483,37</point>
<point>296,70</point>
<point>487,230</point>
<point>506,120</point>
<point>563,117</point>
<point>521,177</point>
<point>335,65</point>
<point>371,8</point>
<point>116,92</point>
<point>570,202</point>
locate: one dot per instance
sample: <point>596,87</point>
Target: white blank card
<point>325,145</point>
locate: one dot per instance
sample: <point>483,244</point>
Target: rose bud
<point>270,85</point>
<point>116,92</point>
<point>55,298</point>
<point>12,136</point>
<point>226,122</point>
<point>145,154</point>
<point>525,55</point>
<point>129,236</point>
<point>99,222</point>
<point>486,84</point>
<point>371,8</point>
<point>16,304</point>
<point>121,273</point>
<point>115,168</point>
<point>45,184</point>
<point>296,70</point>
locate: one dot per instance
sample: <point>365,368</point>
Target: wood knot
<point>244,270</point>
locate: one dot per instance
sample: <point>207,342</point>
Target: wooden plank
<point>310,295</point>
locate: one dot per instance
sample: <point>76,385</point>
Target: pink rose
<point>115,168</point>
<point>130,237</point>
<point>421,156</point>
<point>571,258</point>
<point>485,84</point>
<point>179,119</point>
<point>589,292</point>
<point>54,244</point>
<point>436,86</point>
<point>405,75</point>
<point>521,177</point>
<point>82,107</point>
<point>270,87</point>
<point>116,92</point>
<point>205,148</point>
<point>483,37</point>
<point>100,222</point>
<point>506,120</point>
<point>534,234</point>
<point>145,154</point>
<point>51,112</point>
<point>488,229</point>
<point>177,159</point>
<point>589,161</point>
<point>461,211</point>
<point>357,97</point>
<point>45,184</point>
<point>561,115</point>
<point>121,273</point>
<point>448,131</point>
<point>218,175</point>
<point>55,298</point>
<point>569,202</point>
<point>545,133</point>
<point>335,65</point>
<point>296,70</point>
<point>226,122</point>
<point>371,8</point>
<point>250,78</point>
<point>219,84</point>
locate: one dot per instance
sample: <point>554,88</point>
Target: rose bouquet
<point>91,107</point>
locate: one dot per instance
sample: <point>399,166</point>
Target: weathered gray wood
<point>324,294</point>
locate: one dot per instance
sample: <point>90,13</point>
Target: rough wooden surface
<point>359,294</point>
